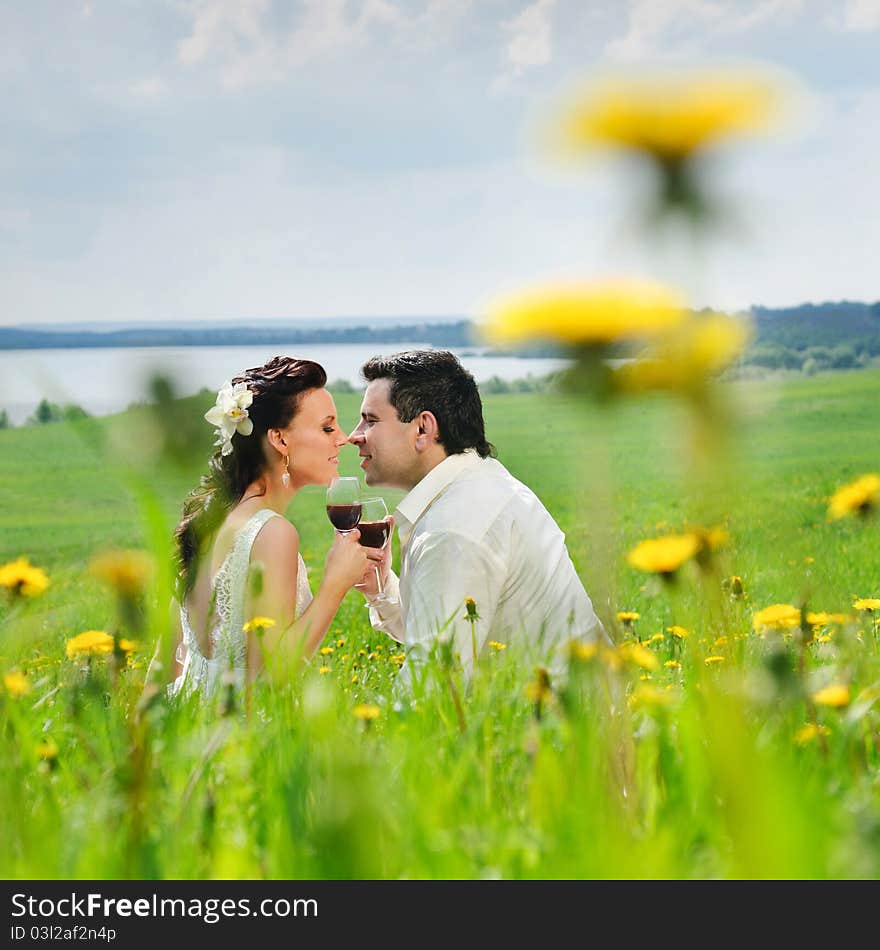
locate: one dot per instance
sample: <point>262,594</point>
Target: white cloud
<point>681,27</point>
<point>531,36</point>
<point>862,15</point>
<point>242,40</point>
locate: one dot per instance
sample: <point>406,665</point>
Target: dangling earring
<point>285,475</point>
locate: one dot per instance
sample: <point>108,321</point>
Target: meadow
<point>727,754</point>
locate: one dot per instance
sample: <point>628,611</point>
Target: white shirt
<point>470,529</point>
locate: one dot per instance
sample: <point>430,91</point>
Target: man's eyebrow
<point>368,415</point>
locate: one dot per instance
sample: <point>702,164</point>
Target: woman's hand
<point>346,562</point>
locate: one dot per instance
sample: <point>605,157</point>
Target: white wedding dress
<point>203,674</point>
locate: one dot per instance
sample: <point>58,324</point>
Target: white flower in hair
<point>230,415</point>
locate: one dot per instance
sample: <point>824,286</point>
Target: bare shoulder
<point>276,538</point>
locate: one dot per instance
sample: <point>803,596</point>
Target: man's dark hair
<point>434,381</point>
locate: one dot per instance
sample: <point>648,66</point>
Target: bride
<point>242,586</point>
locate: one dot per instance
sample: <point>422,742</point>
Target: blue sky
<point>168,160</point>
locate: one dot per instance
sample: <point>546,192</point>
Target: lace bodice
<point>227,638</point>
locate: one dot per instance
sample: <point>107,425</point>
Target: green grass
<point>300,787</point>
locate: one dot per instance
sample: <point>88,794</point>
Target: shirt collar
<point>422,495</point>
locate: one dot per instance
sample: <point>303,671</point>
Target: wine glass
<point>344,503</point>
<point>375,529</point>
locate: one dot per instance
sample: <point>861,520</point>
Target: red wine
<point>374,534</point>
<point>344,517</point>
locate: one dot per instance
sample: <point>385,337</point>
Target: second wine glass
<point>375,529</point>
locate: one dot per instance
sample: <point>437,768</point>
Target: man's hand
<point>380,559</point>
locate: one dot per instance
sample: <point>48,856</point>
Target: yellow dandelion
<point>663,555</point>
<point>47,750</point>
<point>580,650</point>
<point>735,585</point>
<point>340,642</point>
<point>498,647</point>
<point>657,638</point>
<point>866,603</point>
<point>822,619</point>
<point>687,356</point>
<point>777,617</point>
<point>638,656</point>
<point>89,643</point>
<point>836,695</point>
<point>128,646</point>
<point>354,681</point>
<point>258,625</point>
<point>538,691</point>
<point>646,694</point>
<point>672,665</point>
<point>326,651</point>
<point>324,670</point>
<point>585,313</point>
<point>713,660</point>
<point>23,579</point>
<point>366,711</point>
<point>670,115</point>
<point>680,633</point>
<point>627,616</point>
<point>127,571</point>
<point>809,732</point>
<point>397,658</point>
<point>16,684</point>
<point>858,497</point>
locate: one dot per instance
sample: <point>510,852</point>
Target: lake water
<point>107,380</point>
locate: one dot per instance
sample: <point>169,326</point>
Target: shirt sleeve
<point>443,569</point>
<point>387,616</point>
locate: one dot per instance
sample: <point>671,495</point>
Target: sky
<point>166,161</point>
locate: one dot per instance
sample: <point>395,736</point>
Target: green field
<point>722,782</point>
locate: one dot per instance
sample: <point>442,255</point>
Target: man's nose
<point>356,437</point>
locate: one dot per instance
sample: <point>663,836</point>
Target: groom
<point>467,527</point>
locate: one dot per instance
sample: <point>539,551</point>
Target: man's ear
<point>428,431</point>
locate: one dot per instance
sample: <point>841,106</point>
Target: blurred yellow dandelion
<point>713,660</point>
<point>258,624</point>
<point>538,690</point>
<point>809,732</point>
<point>777,617</point>
<point>595,313</point>
<point>672,665</point>
<point>366,711</point>
<point>496,646</point>
<point>678,632</point>
<point>627,616</point>
<point>582,651</point>
<point>47,750</point>
<point>670,115</point>
<point>647,695</point>
<point>16,684</point>
<point>324,670</point>
<point>128,646</point>
<point>326,651</point>
<point>89,643</point>
<point>638,656</point>
<point>822,619</point>
<point>835,695</point>
<point>866,603</point>
<point>340,642</point>
<point>127,571</point>
<point>859,497</point>
<point>22,578</point>
<point>663,555</point>
<point>687,356</point>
